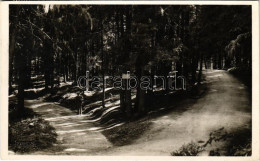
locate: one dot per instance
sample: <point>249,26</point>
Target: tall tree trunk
<point>215,65</point>
<point>139,104</point>
<point>48,65</point>
<point>28,82</point>
<point>12,33</point>
<point>219,61</point>
<point>194,67</point>
<point>21,66</point>
<point>76,72</point>
<point>200,71</point>
<point>11,58</point>
<point>205,63</point>
<point>103,64</point>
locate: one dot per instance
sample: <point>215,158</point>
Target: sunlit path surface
<point>76,134</point>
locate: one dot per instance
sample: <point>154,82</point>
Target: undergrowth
<point>190,149</point>
<point>236,143</point>
<point>29,132</point>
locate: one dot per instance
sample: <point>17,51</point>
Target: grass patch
<point>127,133</point>
<point>29,132</point>
<point>237,142</point>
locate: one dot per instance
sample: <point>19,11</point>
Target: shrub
<point>190,149</point>
<point>30,135</point>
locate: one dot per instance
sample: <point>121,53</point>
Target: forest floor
<point>226,104</point>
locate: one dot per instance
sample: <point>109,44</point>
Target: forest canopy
<point>62,42</point>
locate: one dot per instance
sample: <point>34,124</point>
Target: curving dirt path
<point>76,134</point>
<point>225,104</point>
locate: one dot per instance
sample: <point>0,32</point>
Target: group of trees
<point>62,42</point>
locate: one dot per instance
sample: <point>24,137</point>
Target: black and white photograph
<point>131,80</point>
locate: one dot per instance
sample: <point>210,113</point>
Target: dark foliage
<point>30,133</point>
<point>190,149</point>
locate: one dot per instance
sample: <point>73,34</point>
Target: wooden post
<point>125,99</point>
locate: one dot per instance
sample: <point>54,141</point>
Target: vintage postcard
<point>138,80</point>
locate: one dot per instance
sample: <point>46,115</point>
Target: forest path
<point>76,134</point>
<point>226,104</point>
